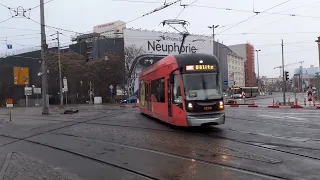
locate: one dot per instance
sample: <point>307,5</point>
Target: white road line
<point>282,117</point>
<point>296,118</point>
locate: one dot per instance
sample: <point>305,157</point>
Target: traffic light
<point>287,75</point>
<point>290,81</point>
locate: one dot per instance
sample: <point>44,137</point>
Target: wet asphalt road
<point>105,142</point>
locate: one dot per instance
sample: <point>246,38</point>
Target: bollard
<point>10,115</point>
<point>296,101</point>
<point>273,102</point>
<point>305,101</point>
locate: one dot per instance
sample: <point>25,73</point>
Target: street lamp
<point>318,74</point>
<point>213,27</point>
<point>257,50</point>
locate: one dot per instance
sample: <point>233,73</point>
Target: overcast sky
<point>264,31</point>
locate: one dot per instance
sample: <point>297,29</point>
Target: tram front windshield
<point>201,86</point>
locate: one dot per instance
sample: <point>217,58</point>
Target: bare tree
<point>131,53</point>
<point>103,73</point>
<point>72,67</point>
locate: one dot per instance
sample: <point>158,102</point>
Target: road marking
<point>282,117</point>
<point>296,118</point>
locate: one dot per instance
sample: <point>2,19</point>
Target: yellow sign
<point>204,67</point>
<point>20,75</point>
<point>200,67</point>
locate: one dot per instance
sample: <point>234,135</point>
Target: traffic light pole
<point>283,76</point>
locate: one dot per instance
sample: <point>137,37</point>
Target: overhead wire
<point>39,4</point>
<point>229,9</point>
<point>4,6</point>
<point>6,20</point>
<point>146,14</point>
<point>254,16</point>
<point>284,17</point>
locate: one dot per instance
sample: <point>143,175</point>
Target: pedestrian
<point>310,95</point>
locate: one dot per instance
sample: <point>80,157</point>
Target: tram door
<point>169,88</point>
<point>149,96</point>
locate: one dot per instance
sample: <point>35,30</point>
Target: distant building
<point>307,73</point>
<point>247,52</point>
<point>111,30</point>
<point>236,73</point>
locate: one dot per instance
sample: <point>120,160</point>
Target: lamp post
<point>318,74</point>
<point>213,27</point>
<point>258,50</point>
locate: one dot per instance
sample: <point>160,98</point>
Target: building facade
<point>111,30</point>
<point>161,43</point>
<point>247,52</point>
<point>236,72</point>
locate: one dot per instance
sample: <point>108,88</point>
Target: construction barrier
<point>253,105</point>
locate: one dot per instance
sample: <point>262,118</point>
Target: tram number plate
<point>207,108</point>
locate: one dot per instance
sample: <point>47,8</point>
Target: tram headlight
<point>221,105</point>
<point>190,106</point>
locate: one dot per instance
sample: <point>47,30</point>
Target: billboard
<point>155,44</point>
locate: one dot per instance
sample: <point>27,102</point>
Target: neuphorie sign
<point>169,48</point>
<point>156,42</point>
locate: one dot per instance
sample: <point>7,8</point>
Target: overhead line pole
<point>283,75</point>
<point>44,46</point>
<point>59,64</point>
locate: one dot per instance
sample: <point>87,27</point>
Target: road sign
<point>28,91</point>
<point>111,91</point>
<point>111,87</point>
<point>65,84</point>
<point>225,82</point>
<point>9,102</point>
<point>20,75</point>
<point>37,90</point>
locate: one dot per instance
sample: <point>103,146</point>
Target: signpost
<point>65,88</point>
<point>27,92</point>
<point>37,91</point>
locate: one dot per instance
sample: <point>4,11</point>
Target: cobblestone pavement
<point>23,167</point>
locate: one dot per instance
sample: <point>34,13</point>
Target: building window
<point>157,90</point>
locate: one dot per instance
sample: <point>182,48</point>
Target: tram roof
<point>184,60</point>
<point>187,59</point>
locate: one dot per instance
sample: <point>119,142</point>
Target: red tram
<point>183,90</point>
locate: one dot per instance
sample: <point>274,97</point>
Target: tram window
<point>177,97</point>
<point>157,90</point>
<point>142,92</point>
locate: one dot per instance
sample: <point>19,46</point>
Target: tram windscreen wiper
<point>204,87</point>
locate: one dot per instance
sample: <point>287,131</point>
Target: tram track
<point>218,136</point>
<point>174,131</point>
<point>89,121</point>
<point>311,126</point>
<point>26,139</point>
